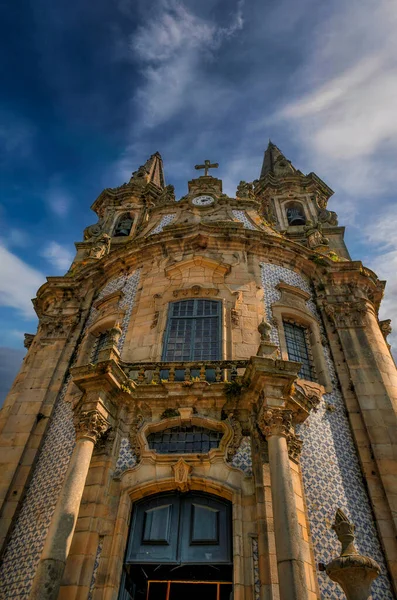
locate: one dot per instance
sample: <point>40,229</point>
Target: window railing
<point>216,371</point>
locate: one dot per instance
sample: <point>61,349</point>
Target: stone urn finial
<point>354,572</point>
<point>266,347</point>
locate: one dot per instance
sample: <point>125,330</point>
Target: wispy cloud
<point>58,198</point>
<point>18,283</point>
<point>171,49</point>
<point>345,118</point>
<point>59,256</point>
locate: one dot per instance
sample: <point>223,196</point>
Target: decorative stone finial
<point>354,572</point>
<point>266,347</point>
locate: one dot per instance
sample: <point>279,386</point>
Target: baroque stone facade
<point>217,346</point>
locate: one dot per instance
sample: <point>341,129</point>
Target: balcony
<point>217,371</point>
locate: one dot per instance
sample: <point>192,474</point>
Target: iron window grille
<point>193,331</point>
<point>184,440</point>
<point>99,344</point>
<point>299,348</point>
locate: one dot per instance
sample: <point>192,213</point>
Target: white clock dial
<point>203,201</point>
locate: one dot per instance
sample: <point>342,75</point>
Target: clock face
<point>202,200</point>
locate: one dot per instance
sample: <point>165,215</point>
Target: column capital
<point>275,421</point>
<point>90,424</point>
<point>347,314</point>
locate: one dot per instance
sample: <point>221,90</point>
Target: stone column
<point>90,426</point>
<point>276,425</point>
<point>373,377</point>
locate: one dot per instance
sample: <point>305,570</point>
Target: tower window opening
<point>184,440</point>
<point>295,214</point>
<point>299,348</point>
<point>123,226</point>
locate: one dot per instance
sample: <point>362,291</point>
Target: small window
<point>299,348</point>
<point>99,344</point>
<point>184,440</point>
<point>295,214</point>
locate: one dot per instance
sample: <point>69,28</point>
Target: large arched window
<point>193,331</point>
<point>295,213</point>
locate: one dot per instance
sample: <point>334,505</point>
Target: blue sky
<point>90,90</point>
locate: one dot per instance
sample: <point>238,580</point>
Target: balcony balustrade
<point>216,371</point>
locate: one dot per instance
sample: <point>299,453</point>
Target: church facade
<point>208,386</point>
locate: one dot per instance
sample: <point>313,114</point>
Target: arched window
<point>295,213</point>
<point>193,331</point>
<point>123,226</point>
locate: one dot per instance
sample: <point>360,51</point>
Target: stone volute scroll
<point>354,572</point>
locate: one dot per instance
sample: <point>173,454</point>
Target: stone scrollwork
<point>310,394</point>
<point>294,444</point>
<point>245,190</point>
<point>235,442</point>
<point>134,441</point>
<point>100,246</point>
<point>90,424</point>
<point>385,327</point>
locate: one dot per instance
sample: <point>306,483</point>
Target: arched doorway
<point>179,546</point>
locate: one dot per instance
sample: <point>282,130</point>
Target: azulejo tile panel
<point>126,458</point>
<point>255,568</point>
<point>241,216</point>
<point>27,539</point>
<point>96,566</point>
<point>243,457</point>
<point>165,220</point>
<point>331,471</point>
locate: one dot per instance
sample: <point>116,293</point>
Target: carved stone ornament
<point>346,314</point>
<point>90,424</point>
<point>385,327</point>
<point>245,190</point>
<point>275,421</point>
<point>294,444</point>
<point>352,571</point>
<point>195,290</point>
<point>134,442</point>
<point>100,247</point>
<point>28,339</point>
<point>181,474</point>
<point>314,235</point>
<point>56,327</point>
<point>235,442</point>
<point>311,393</point>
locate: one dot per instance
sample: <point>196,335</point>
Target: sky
<point>90,90</point>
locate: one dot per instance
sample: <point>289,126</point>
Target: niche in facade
<point>295,213</point>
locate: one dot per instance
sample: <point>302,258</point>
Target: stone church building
<point>208,407</point>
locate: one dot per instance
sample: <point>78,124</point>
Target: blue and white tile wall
<point>241,216</point>
<point>331,471</point>
<point>255,568</point>
<point>27,540</point>
<point>243,457</point>
<point>96,567</point>
<point>126,458</point>
<point>165,220</point>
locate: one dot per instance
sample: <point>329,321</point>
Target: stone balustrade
<point>217,371</point>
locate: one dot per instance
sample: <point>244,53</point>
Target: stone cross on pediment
<point>206,166</point>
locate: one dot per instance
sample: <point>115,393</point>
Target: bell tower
<point>208,404</point>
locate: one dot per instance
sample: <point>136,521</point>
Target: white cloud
<point>57,255</point>
<point>346,118</point>
<point>171,49</point>
<point>18,283</point>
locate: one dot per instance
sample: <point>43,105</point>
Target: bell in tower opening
<point>295,214</point>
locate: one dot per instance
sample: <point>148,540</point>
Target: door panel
<point>205,531</point>
<point>154,531</point>
<point>180,529</point>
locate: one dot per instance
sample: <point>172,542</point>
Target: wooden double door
<point>180,545</point>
